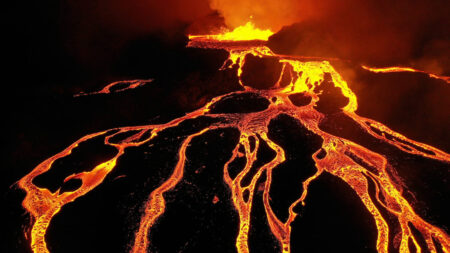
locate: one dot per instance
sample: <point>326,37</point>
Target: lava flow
<point>356,165</point>
<point>406,69</point>
<point>117,87</point>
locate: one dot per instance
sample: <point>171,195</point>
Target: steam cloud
<point>377,32</point>
<point>267,14</point>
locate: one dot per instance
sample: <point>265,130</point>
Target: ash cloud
<point>266,14</point>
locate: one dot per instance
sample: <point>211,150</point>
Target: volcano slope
<point>283,163</point>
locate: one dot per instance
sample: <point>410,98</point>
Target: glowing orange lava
<point>405,69</point>
<point>43,205</point>
<point>125,85</point>
<point>241,33</point>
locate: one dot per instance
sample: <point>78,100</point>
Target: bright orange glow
<point>241,33</point>
<point>405,69</point>
<point>43,205</point>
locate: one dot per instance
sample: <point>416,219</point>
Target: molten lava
<point>406,69</point>
<point>241,33</point>
<point>336,156</point>
<point>118,87</point>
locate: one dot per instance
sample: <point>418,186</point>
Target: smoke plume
<point>377,32</point>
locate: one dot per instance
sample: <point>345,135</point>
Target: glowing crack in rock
<point>332,157</point>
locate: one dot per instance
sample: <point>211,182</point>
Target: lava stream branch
<point>243,196</point>
<point>155,207</point>
<point>399,140</point>
<point>43,204</point>
<point>354,175</point>
<point>405,69</point>
<point>279,230</point>
<point>118,86</point>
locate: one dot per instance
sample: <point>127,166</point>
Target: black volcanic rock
<point>331,99</point>
<point>300,99</point>
<point>260,73</point>
<point>304,39</point>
